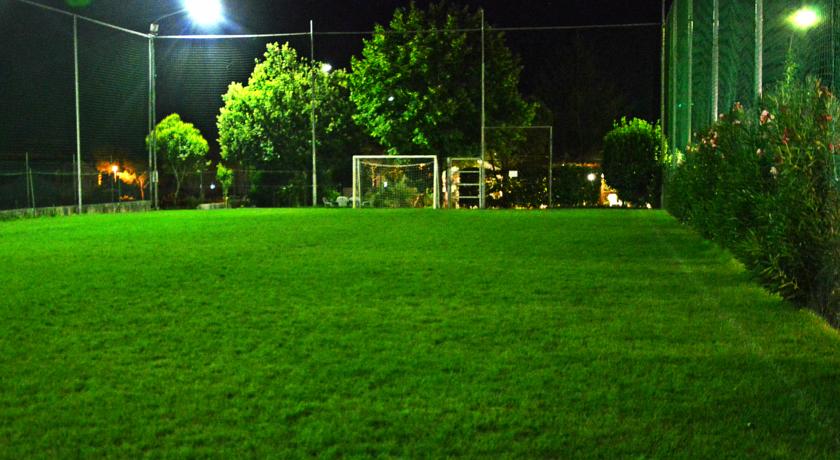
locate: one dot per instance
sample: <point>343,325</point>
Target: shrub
<point>763,183</point>
<point>632,154</point>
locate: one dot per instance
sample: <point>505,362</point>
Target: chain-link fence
<point>723,52</point>
<point>81,96</point>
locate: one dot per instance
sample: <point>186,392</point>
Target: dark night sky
<point>264,16</point>
<point>272,16</point>
<point>627,60</point>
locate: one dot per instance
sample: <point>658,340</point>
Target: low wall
<point>104,208</point>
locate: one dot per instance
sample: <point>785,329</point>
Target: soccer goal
<point>396,181</point>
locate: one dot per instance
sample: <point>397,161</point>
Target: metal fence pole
<point>759,48</point>
<point>662,96</point>
<point>150,180</point>
<point>672,81</point>
<point>689,105</point>
<point>482,182</point>
<point>155,179</point>
<point>78,123</point>
<point>550,167</point>
<point>715,60</point>
<point>312,115</point>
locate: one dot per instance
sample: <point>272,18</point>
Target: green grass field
<point>288,333</point>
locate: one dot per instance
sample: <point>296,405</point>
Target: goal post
<point>396,181</point>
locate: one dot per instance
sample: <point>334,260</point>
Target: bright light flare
<point>114,169</point>
<point>204,12</point>
<point>591,177</point>
<point>326,67</point>
<point>804,18</point>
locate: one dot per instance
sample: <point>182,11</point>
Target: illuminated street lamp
<point>115,169</point>
<point>326,67</point>
<point>804,18</point>
<point>202,12</point>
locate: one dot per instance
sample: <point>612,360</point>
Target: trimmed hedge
<point>632,156</point>
<point>763,183</point>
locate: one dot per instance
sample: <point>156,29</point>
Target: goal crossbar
<point>369,160</point>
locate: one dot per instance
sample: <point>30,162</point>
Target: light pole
<point>202,12</point>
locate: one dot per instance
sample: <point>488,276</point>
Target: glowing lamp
<point>804,18</point>
<point>326,67</point>
<point>204,12</point>
<point>114,169</point>
<point>591,177</point>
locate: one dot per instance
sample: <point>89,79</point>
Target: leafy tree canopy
<point>417,87</point>
<point>267,121</point>
<point>182,147</point>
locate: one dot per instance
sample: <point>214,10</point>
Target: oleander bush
<point>763,182</point>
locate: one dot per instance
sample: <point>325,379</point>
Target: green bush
<point>632,154</point>
<point>763,183</point>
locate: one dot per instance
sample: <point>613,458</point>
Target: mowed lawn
<point>341,333</point>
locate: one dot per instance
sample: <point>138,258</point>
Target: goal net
<point>396,181</point>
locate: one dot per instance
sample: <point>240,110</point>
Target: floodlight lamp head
<point>154,28</point>
<point>804,18</point>
<point>204,12</point>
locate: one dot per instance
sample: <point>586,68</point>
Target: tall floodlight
<point>202,12</point>
<point>804,18</point>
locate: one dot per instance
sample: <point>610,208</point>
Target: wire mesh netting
<point>38,116</point>
<point>114,108</point>
<point>565,85</point>
<point>394,182</point>
<point>720,53</point>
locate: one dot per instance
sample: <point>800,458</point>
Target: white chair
<point>342,201</point>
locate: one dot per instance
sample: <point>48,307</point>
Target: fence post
<point>78,122</point>
<point>689,105</point>
<point>30,185</point>
<point>312,113</point>
<point>759,48</point>
<point>482,182</point>
<point>550,167</point>
<point>672,81</point>
<point>715,60</point>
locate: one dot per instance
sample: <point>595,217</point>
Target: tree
<point>266,123</point>
<point>225,177</point>
<point>632,154</point>
<point>182,147</point>
<point>417,87</point>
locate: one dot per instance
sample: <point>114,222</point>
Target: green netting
<point>737,56</point>
<point>114,107</point>
<point>36,90</point>
<point>702,59</point>
<point>755,40</point>
<point>38,119</point>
